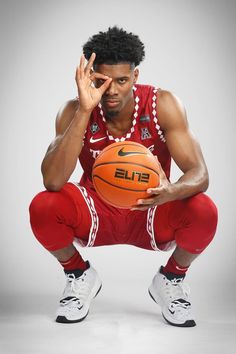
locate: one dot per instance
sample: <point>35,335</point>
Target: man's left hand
<point>165,192</point>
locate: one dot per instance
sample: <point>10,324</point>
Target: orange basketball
<point>123,172</point>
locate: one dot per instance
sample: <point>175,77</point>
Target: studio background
<point>190,50</point>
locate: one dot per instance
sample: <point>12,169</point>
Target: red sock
<point>75,262</point>
<point>173,267</point>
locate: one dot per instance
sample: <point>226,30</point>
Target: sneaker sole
<point>149,292</point>
<point>188,323</point>
<point>63,319</point>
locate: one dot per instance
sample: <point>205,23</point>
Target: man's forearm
<point>192,182</point>
<point>61,158</point>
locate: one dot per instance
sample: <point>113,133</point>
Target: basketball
<point>123,172</point>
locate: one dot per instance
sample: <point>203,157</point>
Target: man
<point>111,107</point>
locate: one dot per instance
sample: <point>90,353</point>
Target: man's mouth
<point>111,103</point>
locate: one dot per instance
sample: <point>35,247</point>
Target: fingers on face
<point>78,73</point>
<point>94,76</point>
<point>83,70</point>
<point>89,65</point>
<point>105,85</point>
<point>81,66</point>
<point>87,71</point>
<point>105,81</point>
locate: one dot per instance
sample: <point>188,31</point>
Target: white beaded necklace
<point>134,121</point>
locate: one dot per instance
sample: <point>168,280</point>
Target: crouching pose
<point>112,107</point>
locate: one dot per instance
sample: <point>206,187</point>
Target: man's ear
<point>136,74</point>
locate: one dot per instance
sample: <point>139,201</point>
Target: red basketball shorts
<point>77,213</point>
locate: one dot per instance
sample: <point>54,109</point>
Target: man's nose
<point>112,90</point>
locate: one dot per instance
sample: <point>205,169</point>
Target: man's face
<point>120,92</point>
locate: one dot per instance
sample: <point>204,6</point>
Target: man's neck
<point>123,120</point>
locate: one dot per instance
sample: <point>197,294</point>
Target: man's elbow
<point>205,182</point>
<point>52,186</point>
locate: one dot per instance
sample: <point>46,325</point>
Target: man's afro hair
<point>115,46</point>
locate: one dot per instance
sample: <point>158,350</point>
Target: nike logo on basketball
<point>126,153</point>
<point>92,140</point>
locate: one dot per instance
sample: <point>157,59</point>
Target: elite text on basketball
<point>132,175</point>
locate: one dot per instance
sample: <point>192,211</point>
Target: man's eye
<point>122,81</point>
<point>100,81</point>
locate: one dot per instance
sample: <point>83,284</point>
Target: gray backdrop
<point>190,50</point>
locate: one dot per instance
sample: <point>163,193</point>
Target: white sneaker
<point>172,295</point>
<point>78,293</point>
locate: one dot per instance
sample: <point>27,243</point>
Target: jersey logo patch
<point>145,134</point>
<point>94,128</point>
<point>144,119</point>
<point>95,153</point>
<point>92,140</point>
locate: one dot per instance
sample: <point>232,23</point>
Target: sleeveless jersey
<point>145,130</point>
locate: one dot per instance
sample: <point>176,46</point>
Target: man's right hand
<point>89,96</point>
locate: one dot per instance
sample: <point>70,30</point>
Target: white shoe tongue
<point>172,276</point>
<point>76,272</point>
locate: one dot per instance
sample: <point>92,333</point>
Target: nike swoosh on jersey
<point>92,140</point>
<point>126,153</point>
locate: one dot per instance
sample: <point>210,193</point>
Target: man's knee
<point>204,212</point>
<point>53,217</point>
<point>200,222</point>
<point>43,207</point>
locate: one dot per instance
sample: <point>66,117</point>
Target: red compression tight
<point>59,217</point>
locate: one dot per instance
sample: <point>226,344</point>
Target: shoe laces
<point>177,293</point>
<point>76,290</point>
<point>176,289</point>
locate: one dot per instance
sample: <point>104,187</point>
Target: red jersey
<point>145,130</point>
<point>86,218</point>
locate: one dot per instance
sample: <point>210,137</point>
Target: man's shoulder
<point>171,111</point>
<point>168,99</point>
<point>144,87</point>
<point>162,93</point>
<point>69,106</point>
